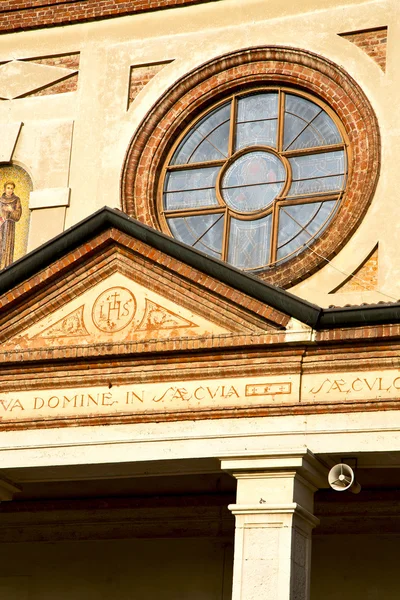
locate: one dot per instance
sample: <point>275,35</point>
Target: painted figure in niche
<point>10,213</point>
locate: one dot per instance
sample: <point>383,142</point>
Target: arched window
<point>267,158</point>
<point>256,178</point>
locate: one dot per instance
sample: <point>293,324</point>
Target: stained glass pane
<point>257,133</point>
<point>253,181</point>
<point>301,107</point>
<point>219,138</point>
<point>298,114</point>
<point>249,243</point>
<point>317,173</point>
<point>191,179</point>
<point>296,245</point>
<point>321,185</point>
<point>186,149</point>
<point>308,138</point>
<point>190,200</point>
<point>211,241</point>
<point>307,125</point>
<point>322,131</point>
<point>293,126</point>
<point>300,223</point>
<point>293,219</point>
<point>322,217</point>
<point>257,107</point>
<point>327,129</point>
<point>213,147</point>
<point>204,232</point>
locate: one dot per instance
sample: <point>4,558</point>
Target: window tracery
<point>255,179</point>
<point>343,153</point>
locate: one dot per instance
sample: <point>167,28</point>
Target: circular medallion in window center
<point>253,181</point>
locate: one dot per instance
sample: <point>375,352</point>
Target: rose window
<point>256,178</point>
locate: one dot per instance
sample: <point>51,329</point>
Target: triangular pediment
<point>115,310</point>
<point>111,285</point>
<point>115,322</point>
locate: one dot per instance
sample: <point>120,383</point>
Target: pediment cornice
<point>113,322</point>
<point>59,312</point>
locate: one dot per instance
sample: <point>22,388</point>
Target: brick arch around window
<point>224,75</point>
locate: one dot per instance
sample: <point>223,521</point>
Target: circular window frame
<point>260,212</point>
<point>265,67</point>
<point>273,208</point>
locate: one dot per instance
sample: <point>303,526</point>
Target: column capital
<point>300,461</point>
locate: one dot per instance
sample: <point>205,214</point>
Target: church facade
<point>199,299</point>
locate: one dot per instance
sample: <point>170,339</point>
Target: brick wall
<point>373,42</point>
<point>66,61</point>
<point>30,14</point>
<point>69,84</point>
<point>140,76</point>
<point>364,278</point>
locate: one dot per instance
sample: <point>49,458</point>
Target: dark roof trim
<point>359,316</point>
<point>304,311</point>
<point>106,217</point>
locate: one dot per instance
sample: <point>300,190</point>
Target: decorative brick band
<point>16,15</point>
<point>212,81</point>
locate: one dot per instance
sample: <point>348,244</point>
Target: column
<point>274,521</point>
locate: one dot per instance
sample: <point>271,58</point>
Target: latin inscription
<point>151,397</point>
<point>351,386</point>
<point>181,397</point>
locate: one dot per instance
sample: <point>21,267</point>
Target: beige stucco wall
<point>78,140</point>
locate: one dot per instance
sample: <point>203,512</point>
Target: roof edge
<point>106,217</point>
<point>278,298</point>
<point>359,316</point>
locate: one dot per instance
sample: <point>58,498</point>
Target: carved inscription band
<point>180,397</point>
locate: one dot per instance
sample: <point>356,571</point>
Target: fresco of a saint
<point>10,213</point>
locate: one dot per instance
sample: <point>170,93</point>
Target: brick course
<point>16,15</point>
<point>66,61</point>
<point>68,84</point>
